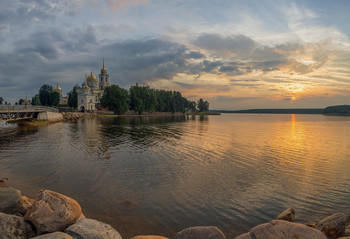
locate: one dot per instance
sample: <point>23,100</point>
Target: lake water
<point>159,175</point>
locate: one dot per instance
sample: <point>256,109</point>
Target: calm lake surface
<point>159,175</point>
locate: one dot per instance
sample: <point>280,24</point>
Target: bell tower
<point>103,77</point>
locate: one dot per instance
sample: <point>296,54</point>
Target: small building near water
<point>91,91</point>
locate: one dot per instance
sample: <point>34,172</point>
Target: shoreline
<point>52,214</point>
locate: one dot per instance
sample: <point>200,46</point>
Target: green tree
<point>35,100</point>
<point>116,99</point>
<point>1,100</point>
<point>20,102</point>
<point>54,98</point>
<point>192,106</point>
<point>45,95</point>
<point>73,98</point>
<point>203,106</point>
<point>142,98</point>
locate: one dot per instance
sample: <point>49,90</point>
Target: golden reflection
<point>93,140</point>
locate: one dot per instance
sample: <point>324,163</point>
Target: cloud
<point>124,5</point>
<point>239,45</point>
<point>223,98</point>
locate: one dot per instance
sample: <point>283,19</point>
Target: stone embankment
<point>72,116</point>
<point>52,215</point>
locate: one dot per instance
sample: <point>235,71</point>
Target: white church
<point>91,92</point>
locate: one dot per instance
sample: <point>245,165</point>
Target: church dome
<point>57,88</point>
<point>91,80</point>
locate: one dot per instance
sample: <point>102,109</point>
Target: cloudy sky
<point>236,54</point>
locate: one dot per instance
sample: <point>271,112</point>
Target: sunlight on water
<point>160,175</point>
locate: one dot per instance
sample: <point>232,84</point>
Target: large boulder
<point>278,229</point>
<point>14,227</point>
<point>10,200</point>
<point>92,229</point>
<point>149,237</point>
<point>209,232</point>
<point>54,235</point>
<point>333,226</point>
<point>53,211</point>
<point>26,205</point>
<point>287,215</point>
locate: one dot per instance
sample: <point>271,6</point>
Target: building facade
<point>91,91</point>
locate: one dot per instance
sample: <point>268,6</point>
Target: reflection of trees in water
<point>10,135</point>
<point>142,131</point>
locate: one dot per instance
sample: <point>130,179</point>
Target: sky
<point>236,54</point>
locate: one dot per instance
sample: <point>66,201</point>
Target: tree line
<point>137,98</point>
<point>145,99</point>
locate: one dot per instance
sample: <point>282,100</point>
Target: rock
<point>209,232</point>
<point>92,229</point>
<point>287,215</point>
<point>53,211</point>
<point>149,237</point>
<point>14,227</point>
<point>310,224</point>
<point>81,216</point>
<point>333,226</point>
<point>347,231</point>
<point>54,235</point>
<point>278,229</point>
<point>10,200</point>
<point>27,203</point>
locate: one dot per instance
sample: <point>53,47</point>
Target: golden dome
<point>58,88</point>
<point>91,77</point>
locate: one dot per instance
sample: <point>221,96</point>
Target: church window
<point>82,100</point>
<point>90,100</point>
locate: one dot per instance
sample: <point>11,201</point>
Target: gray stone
<point>287,215</point>
<point>14,227</point>
<point>53,211</point>
<point>209,232</point>
<point>278,229</point>
<point>10,200</point>
<point>92,229</point>
<point>333,226</point>
<point>54,235</point>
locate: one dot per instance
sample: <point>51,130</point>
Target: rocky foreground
<point>52,215</point>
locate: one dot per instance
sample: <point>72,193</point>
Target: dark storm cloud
<point>146,59</point>
<point>240,44</point>
<point>210,66</point>
<point>195,55</point>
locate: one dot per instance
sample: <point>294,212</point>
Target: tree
<point>192,106</point>
<point>73,98</point>
<point>142,98</point>
<point>20,102</point>
<point>45,95</point>
<point>203,106</point>
<point>54,98</point>
<point>35,100</point>
<point>116,99</point>
<point>1,100</point>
